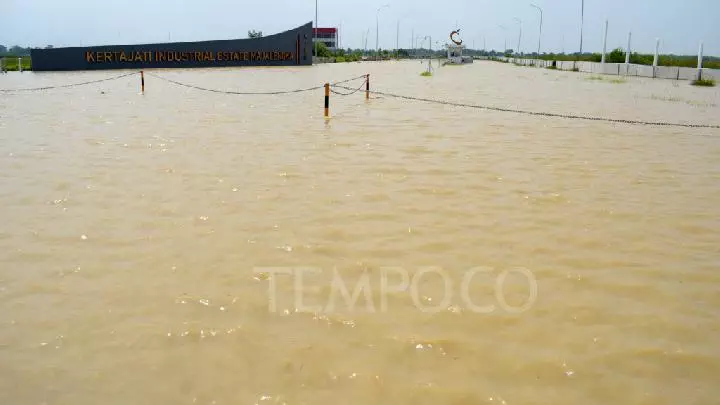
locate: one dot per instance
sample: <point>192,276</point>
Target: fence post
<point>20,65</point>
<point>655,60</point>
<point>367,87</point>
<point>327,100</point>
<point>700,61</point>
<point>142,82</point>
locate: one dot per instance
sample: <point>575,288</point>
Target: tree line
<point>17,50</point>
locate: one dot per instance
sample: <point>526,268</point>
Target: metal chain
<point>243,93</point>
<point>346,94</point>
<point>543,114</point>
<point>69,85</point>
<point>349,80</point>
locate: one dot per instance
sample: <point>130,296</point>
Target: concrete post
<point>657,54</point>
<point>700,61</point>
<point>20,65</point>
<point>605,43</point>
<point>627,54</point>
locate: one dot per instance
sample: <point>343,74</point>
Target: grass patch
<point>601,79</point>
<point>672,99</point>
<point>551,67</point>
<point>704,83</point>
<point>11,64</point>
<point>426,74</point>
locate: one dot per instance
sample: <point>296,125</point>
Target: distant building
<point>328,36</point>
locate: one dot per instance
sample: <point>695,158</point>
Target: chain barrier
<point>69,85</point>
<point>349,80</point>
<point>261,93</point>
<point>362,85</point>
<point>541,114</point>
<point>338,85</point>
<point>242,93</point>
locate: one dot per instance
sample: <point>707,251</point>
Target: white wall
<point>661,72</point>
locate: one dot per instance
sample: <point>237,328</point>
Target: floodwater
<point>572,262</point>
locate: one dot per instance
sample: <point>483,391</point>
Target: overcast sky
<point>680,25</point>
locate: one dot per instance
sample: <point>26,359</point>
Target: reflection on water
<point>140,235</point>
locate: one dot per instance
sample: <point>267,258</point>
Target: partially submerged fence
<point>620,69</point>
<point>364,81</point>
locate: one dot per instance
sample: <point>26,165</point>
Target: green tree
<point>255,34</point>
<point>616,56</point>
<point>19,51</point>
<point>322,50</point>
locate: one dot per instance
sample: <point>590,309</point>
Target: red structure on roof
<point>324,30</point>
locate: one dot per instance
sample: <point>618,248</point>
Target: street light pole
<point>541,23</point>
<point>605,43</point>
<point>367,35</point>
<point>520,36</point>
<point>505,35</point>
<point>397,41</point>
<point>377,29</point>
<point>430,56</point>
<point>582,23</point>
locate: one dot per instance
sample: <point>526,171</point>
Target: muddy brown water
<point>141,235</point>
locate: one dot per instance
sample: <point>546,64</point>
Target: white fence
<point>621,69</point>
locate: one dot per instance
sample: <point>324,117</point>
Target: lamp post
<point>429,38</point>
<point>377,29</point>
<point>397,41</point>
<point>367,34</point>
<point>541,22</point>
<point>519,21</point>
<point>582,23</point>
<point>602,60</point>
<point>504,28</point>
